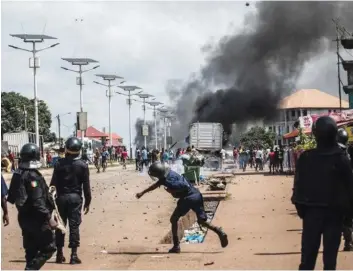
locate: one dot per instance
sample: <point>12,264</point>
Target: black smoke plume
<point>257,67</point>
<point>139,138</point>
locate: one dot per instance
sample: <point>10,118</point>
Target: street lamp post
<point>129,89</point>
<point>164,112</point>
<point>80,62</point>
<point>34,63</point>
<point>144,96</point>
<point>154,105</point>
<point>109,78</point>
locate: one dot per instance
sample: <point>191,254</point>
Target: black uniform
<point>342,139</point>
<point>322,194</point>
<point>29,191</point>
<point>70,177</point>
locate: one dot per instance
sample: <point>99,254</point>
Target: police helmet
<point>157,170</point>
<point>325,130</point>
<point>73,146</point>
<point>29,153</point>
<point>342,138</point>
<point>29,157</point>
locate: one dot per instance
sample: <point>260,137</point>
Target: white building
<point>302,103</point>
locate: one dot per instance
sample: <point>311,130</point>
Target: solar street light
<point>109,78</point>
<point>34,63</point>
<point>80,62</point>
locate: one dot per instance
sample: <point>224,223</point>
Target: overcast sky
<point>147,43</point>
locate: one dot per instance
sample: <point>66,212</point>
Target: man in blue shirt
<point>5,217</point>
<point>105,155</point>
<point>189,198</point>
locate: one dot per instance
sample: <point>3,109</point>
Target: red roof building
<point>93,133</point>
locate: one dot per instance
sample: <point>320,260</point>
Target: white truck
<point>207,139</point>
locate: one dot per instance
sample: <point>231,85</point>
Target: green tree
<point>257,136</point>
<point>13,117</point>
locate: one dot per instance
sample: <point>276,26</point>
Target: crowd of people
<point>278,159</point>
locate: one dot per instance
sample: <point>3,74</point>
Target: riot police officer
<point>322,194</point>
<point>70,177</point>
<point>342,140</point>
<point>29,191</point>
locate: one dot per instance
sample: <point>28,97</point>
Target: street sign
<point>145,130</point>
<point>169,140</point>
<point>81,121</point>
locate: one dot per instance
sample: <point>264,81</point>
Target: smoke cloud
<point>254,69</point>
<point>139,138</point>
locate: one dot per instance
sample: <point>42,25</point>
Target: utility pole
<point>34,63</point>
<point>108,78</point>
<point>80,62</point>
<point>59,128</point>
<point>346,39</point>
<point>338,67</point>
<point>25,116</point>
<point>59,125</point>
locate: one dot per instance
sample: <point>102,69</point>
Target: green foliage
<point>257,136</point>
<point>305,142</point>
<point>13,118</point>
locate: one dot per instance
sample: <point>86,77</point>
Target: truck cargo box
<point>206,136</point>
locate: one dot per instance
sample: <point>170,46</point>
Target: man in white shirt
<point>258,159</point>
<point>223,156</point>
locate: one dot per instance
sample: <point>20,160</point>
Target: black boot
<point>60,256</point>
<point>222,237</point>
<point>74,258</point>
<point>221,234</point>
<point>176,246</point>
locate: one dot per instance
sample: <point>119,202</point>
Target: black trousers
<point>38,242</point>
<point>192,202</point>
<point>70,206</point>
<point>319,222</point>
<point>138,163</point>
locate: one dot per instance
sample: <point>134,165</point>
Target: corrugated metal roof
<point>312,98</point>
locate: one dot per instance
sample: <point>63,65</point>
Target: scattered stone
<point>125,238</point>
<point>209,263</point>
